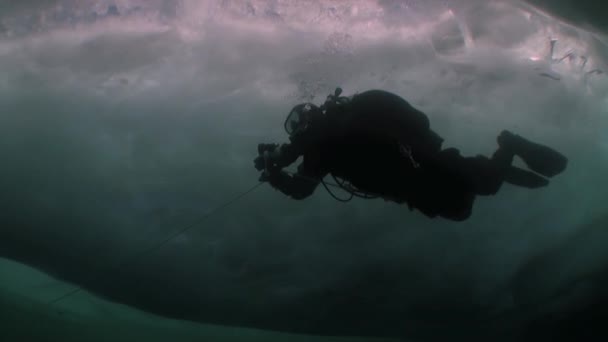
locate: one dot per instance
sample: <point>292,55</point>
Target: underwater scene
<point>315,170</point>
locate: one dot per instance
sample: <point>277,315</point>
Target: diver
<point>375,144</point>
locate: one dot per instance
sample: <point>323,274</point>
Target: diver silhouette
<point>381,146</point>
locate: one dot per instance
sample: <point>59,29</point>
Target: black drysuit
<point>383,146</point>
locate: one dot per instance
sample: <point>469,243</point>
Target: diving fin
<point>525,178</point>
<point>539,158</point>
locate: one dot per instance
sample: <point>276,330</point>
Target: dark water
<point>119,132</point>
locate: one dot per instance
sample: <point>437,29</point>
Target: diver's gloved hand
<point>268,174</point>
<point>264,176</point>
<point>261,161</point>
<point>266,147</point>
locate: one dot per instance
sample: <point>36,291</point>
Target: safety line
<point>168,239</point>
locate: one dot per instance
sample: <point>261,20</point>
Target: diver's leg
<point>489,174</point>
<point>525,178</point>
<point>539,158</point>
<point>446,188</point>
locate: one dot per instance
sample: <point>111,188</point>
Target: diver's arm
<point>285,155</point>
<point>299,185</point>
<point>275,157</point>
